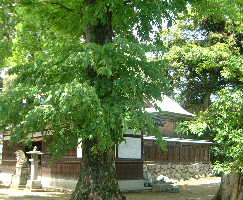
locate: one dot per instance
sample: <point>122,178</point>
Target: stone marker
<point>33,183</point>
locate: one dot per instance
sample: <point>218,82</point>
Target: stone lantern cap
<point>34,151</point>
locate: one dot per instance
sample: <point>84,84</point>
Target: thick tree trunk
<point>231,187</point>
<point>97,180</point>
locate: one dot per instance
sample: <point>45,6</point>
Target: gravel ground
<point>200,189</point>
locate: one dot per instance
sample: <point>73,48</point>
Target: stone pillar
<point>34,166</point>
<point>34,183</point>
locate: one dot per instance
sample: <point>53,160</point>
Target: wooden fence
<point>177,152</point>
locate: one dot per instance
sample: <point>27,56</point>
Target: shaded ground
<point>7,194</point>
<point>201,189</point>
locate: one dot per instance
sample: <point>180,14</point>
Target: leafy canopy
<point>223,123</point>
<point>204,55</point>
<point>69,88</point>
<point>205,63</point>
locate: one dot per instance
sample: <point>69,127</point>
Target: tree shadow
<point>32,197</point>
<point>187,192</point>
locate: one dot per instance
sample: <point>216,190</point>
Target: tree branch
<point>62,6</point>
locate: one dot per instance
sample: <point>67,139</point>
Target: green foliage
<point>230,9</point>
<point>223,122</point>
<point>7,21</point>
<point>70,89</point>
<point>205,65</point>
<point>54,93</point>
<point>203,55</point>
<point>74,16</point>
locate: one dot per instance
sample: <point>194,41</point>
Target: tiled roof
<point>168,105</point>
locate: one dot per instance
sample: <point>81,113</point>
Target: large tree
<point>81,74</point>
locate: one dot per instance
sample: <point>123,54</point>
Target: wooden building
<point>167,113</point>
<point>130,154</point>
<point>179,150</point>
<point>64,172</point>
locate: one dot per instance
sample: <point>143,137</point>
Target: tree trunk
<point>97,180</point>
<point>231,187</point>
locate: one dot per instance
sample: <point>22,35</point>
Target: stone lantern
<point>34,183</point>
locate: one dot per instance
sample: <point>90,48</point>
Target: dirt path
<point>201,189</point>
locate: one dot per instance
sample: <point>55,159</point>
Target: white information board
<point>130,148</point>
<point>79,150</point>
